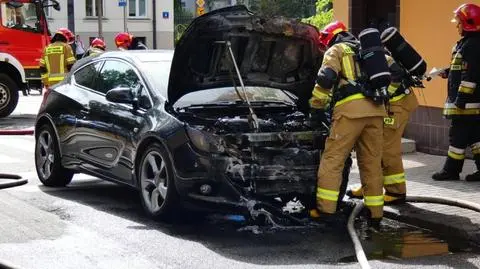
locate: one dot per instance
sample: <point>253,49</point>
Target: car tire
<point>8,95</point>
<point>156,184</point>
<point>48,159</point>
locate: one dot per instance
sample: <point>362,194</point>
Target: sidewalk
<point>446,220</point>
<point>24,115</point>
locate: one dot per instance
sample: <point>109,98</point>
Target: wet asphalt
<point>96,224</point>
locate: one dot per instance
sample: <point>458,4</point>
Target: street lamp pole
<point>99,17</point>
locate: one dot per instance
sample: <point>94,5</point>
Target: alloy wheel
<point>153,181</point>
<point>46,154</point>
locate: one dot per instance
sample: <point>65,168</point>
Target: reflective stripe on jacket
<point>55,60</point>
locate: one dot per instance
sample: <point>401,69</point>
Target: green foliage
<point>182,19</point>
<point>324,14</point>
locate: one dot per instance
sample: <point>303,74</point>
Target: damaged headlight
<point>205,141</point>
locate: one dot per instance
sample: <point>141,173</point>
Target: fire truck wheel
<point>8,95</point>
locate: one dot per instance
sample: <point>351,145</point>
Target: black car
<point>184,127</point>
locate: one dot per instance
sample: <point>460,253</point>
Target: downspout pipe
<point>71,15</point>
<point>154,23</point>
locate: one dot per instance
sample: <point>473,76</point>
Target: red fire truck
<point>23,35</point>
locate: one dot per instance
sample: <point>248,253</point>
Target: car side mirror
<point>122,95</point>
<point>56,5</point>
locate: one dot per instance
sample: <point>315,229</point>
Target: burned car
<point>223,120</point>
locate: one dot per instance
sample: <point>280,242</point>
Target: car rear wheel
<point>8,95</point>
<point>48,161</point>
<point>155,179</point>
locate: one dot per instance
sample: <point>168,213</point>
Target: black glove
<point>319,118</point>
<point>460,102</point>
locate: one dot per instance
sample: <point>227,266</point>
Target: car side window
<point>116,74</point>
<point>87,74</point>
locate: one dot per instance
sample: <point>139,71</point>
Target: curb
<point>443,228</point>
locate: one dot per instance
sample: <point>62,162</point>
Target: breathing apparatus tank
<point>374,63</point>
<point>403,53</point>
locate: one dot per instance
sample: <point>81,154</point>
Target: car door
<point>109,147</point>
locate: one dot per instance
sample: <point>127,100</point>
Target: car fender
<point>158,137</point>
<point>10,59</point>
<point>45,117</point>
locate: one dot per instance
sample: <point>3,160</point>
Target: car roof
<point>140,55</point>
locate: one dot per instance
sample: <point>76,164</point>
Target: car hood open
<point>275,52</point>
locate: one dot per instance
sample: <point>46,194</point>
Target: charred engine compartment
<point>279,160</point>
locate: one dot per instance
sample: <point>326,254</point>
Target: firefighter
<point>356,122</point>
<point>402,103</point>
<point>126,41</point>
<point>463,101</point>
<point>57,59</point>
<point>96,47</point>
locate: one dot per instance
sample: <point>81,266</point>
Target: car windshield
<point>158,73</point>
<point>22,17</point>
<point>229,95</point>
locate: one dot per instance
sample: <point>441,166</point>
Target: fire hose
<point>17,132</point>
<point>360,254</point>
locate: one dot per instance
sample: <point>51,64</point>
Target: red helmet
<point>123,40</point>
<point>469,17</point>
<point>67,34</point>
<point>98,43</point>
<point>330,31</point>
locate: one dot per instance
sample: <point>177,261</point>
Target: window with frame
<point>91,8</point>
<point>86,75</point>
<point>116,74</point>
<point>137,8</point>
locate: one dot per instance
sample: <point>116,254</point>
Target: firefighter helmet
<point>330,31</point>
<point>69,36</point>
<point>468,15</point>
<point>123,40</point>
<point>98,43</point>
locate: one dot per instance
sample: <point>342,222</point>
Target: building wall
<point>113,23</point>
<point>341,10</point>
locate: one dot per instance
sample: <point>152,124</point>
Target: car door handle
<point>4,43</point>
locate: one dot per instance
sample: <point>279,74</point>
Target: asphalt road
<point>95,224</point>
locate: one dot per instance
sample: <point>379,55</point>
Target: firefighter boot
<point>451,170</point>
<point>355,192</point>
<point>394,198</point>
<point>389,198</point>
<point>475,176</point>
<point>445,176</point>
<point>328,219</point>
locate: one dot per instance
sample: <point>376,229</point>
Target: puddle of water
<point>401,241</point>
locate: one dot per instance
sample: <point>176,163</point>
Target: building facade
<point>426,26</point>
<point>138,18</point>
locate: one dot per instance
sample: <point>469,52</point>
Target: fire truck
<point>24,34</point>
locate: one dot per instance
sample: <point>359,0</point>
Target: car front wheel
<point>155,179</point>
<point>48,161</point>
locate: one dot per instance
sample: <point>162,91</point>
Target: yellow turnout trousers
<point>365,135</point>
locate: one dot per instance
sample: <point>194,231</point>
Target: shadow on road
<point>294,247</point>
